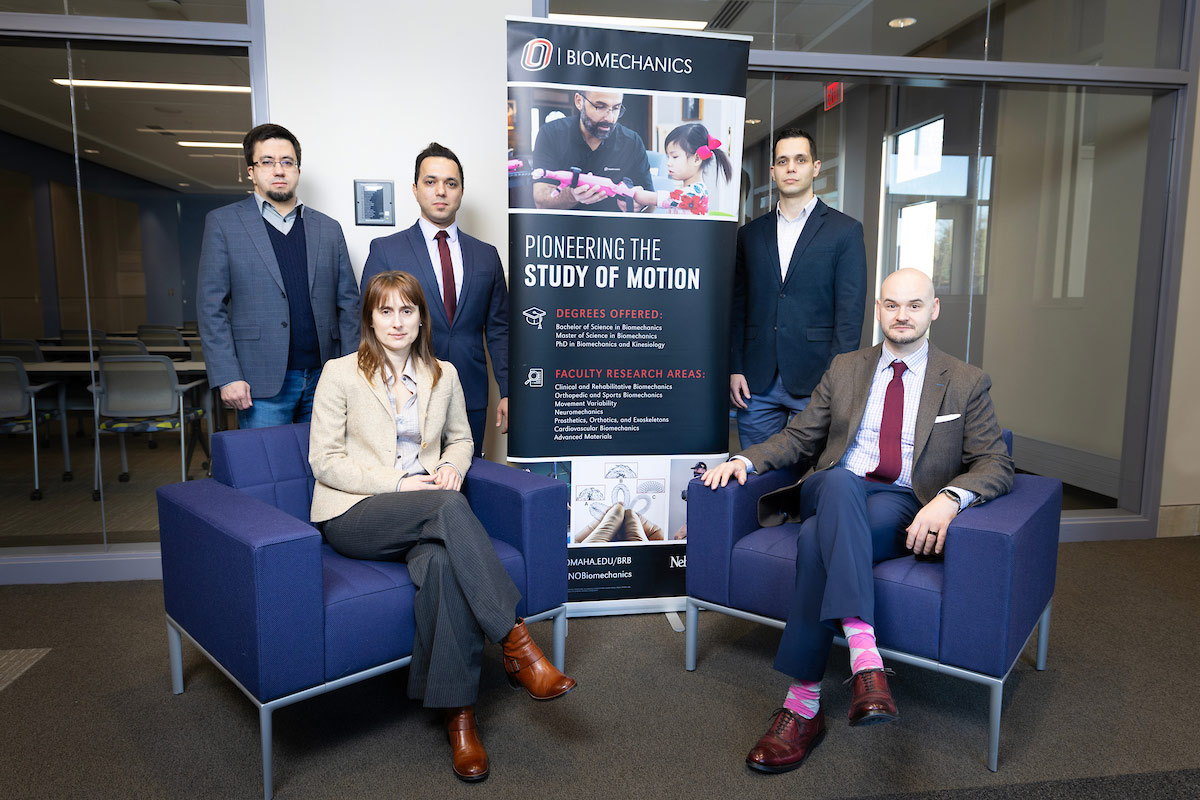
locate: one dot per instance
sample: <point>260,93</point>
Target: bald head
<point>905,309</point>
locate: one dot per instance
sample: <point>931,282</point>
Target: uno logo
<point>536,54</point>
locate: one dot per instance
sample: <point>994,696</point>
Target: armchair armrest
<point>999,574</point>
<point>530,513</point>
<point>715,522</point>
<point>244,579</point>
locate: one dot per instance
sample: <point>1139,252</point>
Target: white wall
<point>366,85</point>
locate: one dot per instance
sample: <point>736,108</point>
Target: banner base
<point>633,605</point>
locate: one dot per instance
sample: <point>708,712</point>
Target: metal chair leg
<point>264,721</point>
<point>995,700</point>
<point>1043,644</point>
<point>690,635</point>
<point>175,655</point>
<point>560,639</point>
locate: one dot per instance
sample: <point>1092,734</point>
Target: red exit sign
<point>833,94</point>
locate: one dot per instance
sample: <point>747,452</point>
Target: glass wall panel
<point>158,160</point>
<point>1025,207</point>
<point>1114,33</point>
<point>190,10</point>
<point>42,253</point>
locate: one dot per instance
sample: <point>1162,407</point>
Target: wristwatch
<point>953,495</point>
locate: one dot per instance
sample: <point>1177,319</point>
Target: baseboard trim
<point>118,562</point>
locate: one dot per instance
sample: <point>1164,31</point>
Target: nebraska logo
<point>536,54</point>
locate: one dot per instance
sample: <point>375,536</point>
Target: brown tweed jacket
<point>957,441</point>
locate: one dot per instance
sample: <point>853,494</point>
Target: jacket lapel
<point>468,268</point>
<point>864,374</point>
<point>814,223</point>
<point>770,235</point>
<point>312,243</point>
<point>937,376</point>
<point>252,219</point>
<point>429,284</point>
<point>379,389</point>
<point>424,391</point>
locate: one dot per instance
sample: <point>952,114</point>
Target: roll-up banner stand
<point>624,184</point>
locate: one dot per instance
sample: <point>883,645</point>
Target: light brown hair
<point>371,353</point>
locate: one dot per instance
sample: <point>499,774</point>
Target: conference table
<point>64,350</point>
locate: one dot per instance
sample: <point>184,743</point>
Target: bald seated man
<point>900,437</point>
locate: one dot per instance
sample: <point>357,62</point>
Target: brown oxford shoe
<point>872,700</point>
<point>470,759</point>
<point>529,668</point>
<point>787,742</point>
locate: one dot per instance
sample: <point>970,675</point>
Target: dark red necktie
<point>448,294</point>
<point>889,428</point>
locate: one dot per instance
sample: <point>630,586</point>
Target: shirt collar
<point>914,361</point>
<point>429,230</point>
<point>264,204</point>
<point>804,212</point>
<point>389,379</point>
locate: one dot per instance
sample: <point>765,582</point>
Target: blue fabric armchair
<point>250,582</point>
<point>969,615</point>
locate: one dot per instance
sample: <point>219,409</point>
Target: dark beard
<point>281,197</point>
<point>593,128</point>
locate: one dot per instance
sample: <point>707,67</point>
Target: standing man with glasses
<point>463,280</point>
<point>597,143</point>
<point>276,295</point>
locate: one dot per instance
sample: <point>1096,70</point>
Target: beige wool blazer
<point>352,443</point>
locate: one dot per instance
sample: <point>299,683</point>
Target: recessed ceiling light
<point>222,145</point>
<point>902,22</point>
<point>90,151</point>
<point>175,87</point>
<point>185,184</point>
<point>753,121</point>
<point>634,22</point>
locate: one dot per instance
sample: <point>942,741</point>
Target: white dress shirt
<point>429,230</point>
<point>788,233</point>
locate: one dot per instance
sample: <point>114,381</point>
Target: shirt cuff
<point>968,497</point>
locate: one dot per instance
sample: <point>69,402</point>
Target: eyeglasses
<point>269,163</point>
<point>604,109</point>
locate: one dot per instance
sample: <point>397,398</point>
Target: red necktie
<point>448,294</point>
<point>889,428</point>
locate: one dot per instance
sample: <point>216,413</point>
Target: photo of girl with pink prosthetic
<point>691,153</point>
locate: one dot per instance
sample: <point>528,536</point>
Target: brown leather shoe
<point>470,759</point>
<point>528,667</point>
<point>872,700</point>
<point>787,742</point>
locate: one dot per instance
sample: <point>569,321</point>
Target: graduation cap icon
<point>534,316</point>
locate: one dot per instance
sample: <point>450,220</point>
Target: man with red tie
<point>463,281</point>
<point>900,437</point>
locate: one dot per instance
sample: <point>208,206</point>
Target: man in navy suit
<point>463,282</point>
<point>799,295</point>
<point>275,295</point>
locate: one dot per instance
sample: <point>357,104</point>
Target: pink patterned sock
<point>861,638</point>
<point>804,698</point>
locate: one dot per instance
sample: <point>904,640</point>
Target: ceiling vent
<point>725,17</point>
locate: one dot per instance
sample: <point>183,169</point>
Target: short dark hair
<point>264,132</point>
<point>435,150</point>
<point>795,133</point>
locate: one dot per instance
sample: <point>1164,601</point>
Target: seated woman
<point>389,447</point>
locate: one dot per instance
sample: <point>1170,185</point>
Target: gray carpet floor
<point>1112,717</point>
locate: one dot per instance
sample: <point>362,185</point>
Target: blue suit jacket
<point>242,308</point>
<point>798,324</point>
<point>482,309</point>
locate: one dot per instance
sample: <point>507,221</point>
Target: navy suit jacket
<point>482,308</point>
<point>242,307</point>
<point>798,324</point>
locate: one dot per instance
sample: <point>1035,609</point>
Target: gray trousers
<point>463,591</point>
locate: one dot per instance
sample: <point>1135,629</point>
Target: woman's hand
<point>415,483</point>
<point>447,477</point>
